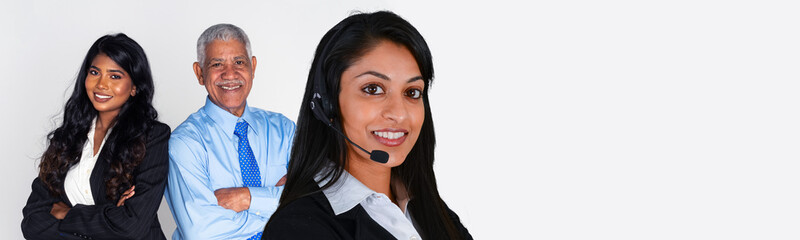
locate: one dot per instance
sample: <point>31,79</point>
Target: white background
<point>555,119</point>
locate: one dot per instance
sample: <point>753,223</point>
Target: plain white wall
<point>555,119</point>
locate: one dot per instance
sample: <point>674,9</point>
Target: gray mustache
<point>228,82</point>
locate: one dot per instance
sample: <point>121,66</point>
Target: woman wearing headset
<point>369,82</point>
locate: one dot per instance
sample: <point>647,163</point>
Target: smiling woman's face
<point>381,103</point>
<point>108,85</point>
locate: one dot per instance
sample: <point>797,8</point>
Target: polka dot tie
<point>247,161</point>
<point>256,237</point>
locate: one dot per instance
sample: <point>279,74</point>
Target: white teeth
<point>389,135</point>
<point>101,96</point>
<point>230,88</point>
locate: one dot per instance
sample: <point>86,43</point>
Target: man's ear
<point>198,71</point>
<point>253,60</point>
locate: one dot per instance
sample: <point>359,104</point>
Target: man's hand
<point>236,198</point>
<point>281,182</point>
<point>60,210</point>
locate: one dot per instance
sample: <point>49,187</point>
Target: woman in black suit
<point>369,82</point>
<point>103,173</point>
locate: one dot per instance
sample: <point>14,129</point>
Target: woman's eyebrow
<point>374,73</point>
<point>384,77</point>
<point>109,70</point>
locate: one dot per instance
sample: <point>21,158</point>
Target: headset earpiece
<point>317,108</point>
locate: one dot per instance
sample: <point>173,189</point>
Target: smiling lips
<point>391,138</point>
<point>230,85</point>
<point>101,98</point>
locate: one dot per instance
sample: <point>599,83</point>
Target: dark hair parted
<point>125,147</point>
<point>316,147</point>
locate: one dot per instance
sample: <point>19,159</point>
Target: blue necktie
<point>247,161</point>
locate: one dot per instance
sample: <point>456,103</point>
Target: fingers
<point>59,210</point>
<point>126,195</point>
<point>281,182</point>
<point>235,198</point>
<point>226,205</point>
<point>122,199</point>
<point>220,194</point>
<point>129,190</point>
<point>60,206</point>
<point>236,207</point>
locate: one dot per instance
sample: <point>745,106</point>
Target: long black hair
<point>125,147</point>
<point>316,147</point>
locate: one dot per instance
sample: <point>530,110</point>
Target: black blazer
<point>312,217</point>
<point>135,220</point>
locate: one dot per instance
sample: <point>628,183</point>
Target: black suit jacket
<point>312,217</point>
<point>135,220</point>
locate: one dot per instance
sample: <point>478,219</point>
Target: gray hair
<point>224,32</point>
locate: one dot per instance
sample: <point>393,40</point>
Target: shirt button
<point>258,213</point>
<point>413,238</point>
<point>86,191</point>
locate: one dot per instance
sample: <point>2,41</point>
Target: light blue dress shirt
<point>203,157</point>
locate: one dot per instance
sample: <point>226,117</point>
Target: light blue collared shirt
<point>203,157</point>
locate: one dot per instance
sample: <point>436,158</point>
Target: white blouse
<point>348,192</point>
<point>76,184</point>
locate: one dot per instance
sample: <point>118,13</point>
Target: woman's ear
<point>133,91</point>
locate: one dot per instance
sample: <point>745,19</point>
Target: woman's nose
<point>102,83</point>
<point>394,109</point>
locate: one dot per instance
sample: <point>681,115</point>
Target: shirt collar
<point>226,120</point>
<point>348,192</point>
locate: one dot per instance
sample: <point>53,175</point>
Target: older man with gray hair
<point>227,160</point>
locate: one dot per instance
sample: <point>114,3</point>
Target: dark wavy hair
<point>316,146</point>
<point>125,147</point>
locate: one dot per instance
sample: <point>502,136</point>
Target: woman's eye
<point>115,77</point>
<point>373,89</point>
<point>414,93</point>
<point>93,72</point>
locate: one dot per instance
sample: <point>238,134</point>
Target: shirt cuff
<point>264,200</point>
